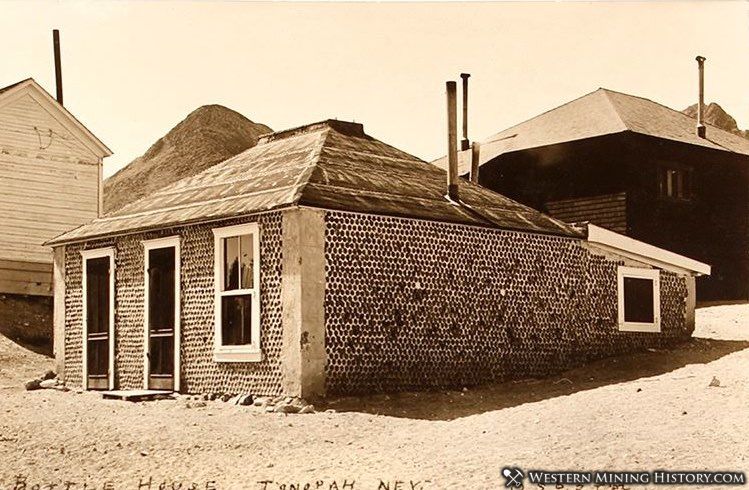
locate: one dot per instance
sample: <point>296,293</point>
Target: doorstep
<point>136,395</point>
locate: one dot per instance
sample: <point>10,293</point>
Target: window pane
<point>638,300</point>
<point>236,317</point>
<point>246,249</point>
<point>670,183</point>
<point>97,294</point>
<point>661,181</point>
<point>161,288</point>
<point>231,263</point>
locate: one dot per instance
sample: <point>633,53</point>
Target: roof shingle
<point>331,165</point>
<point>596,114</point>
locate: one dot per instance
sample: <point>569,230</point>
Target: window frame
<point>639,273</point>
<point>681,175</point>
<point>237,353</point>
<point>97,253</point>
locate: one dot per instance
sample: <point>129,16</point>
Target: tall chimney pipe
<point>464,144</point>
<point>475,150</point>
<point>58,65</point>
<point>701,130</point>
<point>452,141</point>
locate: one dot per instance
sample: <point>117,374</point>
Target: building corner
<point>303,356</point>
<point>58,315</point>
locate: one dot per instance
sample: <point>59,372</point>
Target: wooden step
<point>136,395</point>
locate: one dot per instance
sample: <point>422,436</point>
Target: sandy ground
<point>646,411</point>
<point>730,322</point>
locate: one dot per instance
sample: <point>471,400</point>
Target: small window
<point>639,299</point>
<point>675,183</point>
<point>237,308</point>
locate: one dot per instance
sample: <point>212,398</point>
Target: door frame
<point>97,253</point>
<point>148,245</point>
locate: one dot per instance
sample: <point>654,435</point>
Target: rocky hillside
<point>208,135</point>
<point>715,115</point>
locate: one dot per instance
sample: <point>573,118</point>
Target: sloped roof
<point>596,114</point>
<point>50,103</point>
<point>331,165</point>
<point>208,135</point>
<point>608,240</point>
<point>8,87</point>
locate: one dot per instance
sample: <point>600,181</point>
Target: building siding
<point>200,374</point>
<point>629,163</point>
<point>608,211</point>
<point>416,304</point>
<point>408,304</point>
<point>49,183</point>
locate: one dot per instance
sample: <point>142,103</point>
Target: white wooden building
<point>50,182</point>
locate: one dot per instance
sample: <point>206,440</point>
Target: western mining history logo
<point>514,478</point>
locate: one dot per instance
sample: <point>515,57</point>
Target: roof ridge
<point>305,175</point>
<point>490,138</point>
<point>681,114</point>
<point>614,109</point>
<point>344,127</point>
<point>607,92</point>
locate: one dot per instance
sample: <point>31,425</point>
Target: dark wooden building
<point>638,168</point>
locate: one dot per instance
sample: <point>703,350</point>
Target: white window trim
<point>96,254</point>
<point>167,242</point>
<point>237,353</point>
<point>639,273</point>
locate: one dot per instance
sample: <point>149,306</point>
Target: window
<point>237,285</point>
<point>639,299</point>
<point>675,183</point>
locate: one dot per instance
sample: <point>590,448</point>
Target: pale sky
<point>132,70</point>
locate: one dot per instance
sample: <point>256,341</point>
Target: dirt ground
<point>646,411</point>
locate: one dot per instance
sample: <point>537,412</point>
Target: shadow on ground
<point>27,321</point>
<point>35,344</point>
<point>449,405</point>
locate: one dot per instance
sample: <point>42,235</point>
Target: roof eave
<point>61,240</point>
<point>97,144</point>
<point>644,252</point>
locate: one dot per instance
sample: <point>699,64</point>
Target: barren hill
<point>717,116</point>
<point>208,135</point>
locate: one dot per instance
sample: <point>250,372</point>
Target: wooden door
<point>162,318</point>
<point>97,323</point>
